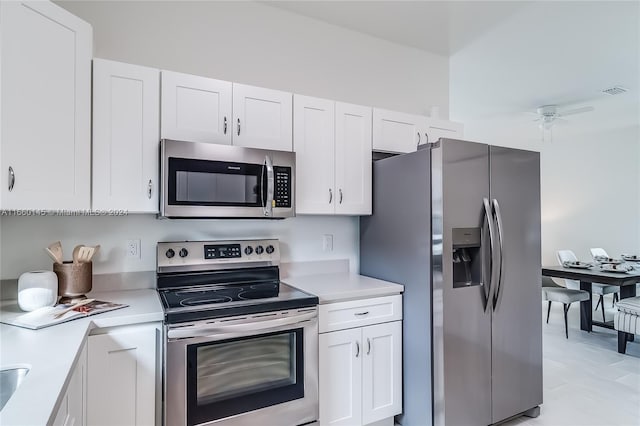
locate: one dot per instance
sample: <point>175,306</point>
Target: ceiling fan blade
<point>576,111</point>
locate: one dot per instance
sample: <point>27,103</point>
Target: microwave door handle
<point>268,205</point>
<point>220,331</point>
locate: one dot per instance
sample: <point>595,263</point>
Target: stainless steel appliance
<point>458,223</point>
<point>241,348</point>
<point>202,180</point>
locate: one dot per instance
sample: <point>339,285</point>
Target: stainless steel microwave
<point>202,180</point>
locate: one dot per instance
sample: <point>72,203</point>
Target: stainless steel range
<point>241,348</point>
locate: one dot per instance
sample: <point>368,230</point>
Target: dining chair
<point>552,292</point>
<point>597,252</point>
<point>598,289</point>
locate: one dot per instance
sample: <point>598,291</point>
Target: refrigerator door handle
<point>498,217</point>
<point>492,260</point>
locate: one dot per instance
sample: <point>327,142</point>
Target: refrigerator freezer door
<point>517,323</point>
<point>395,245</point>
<point>466,328</point>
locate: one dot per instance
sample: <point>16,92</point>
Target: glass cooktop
<point>191,304</point>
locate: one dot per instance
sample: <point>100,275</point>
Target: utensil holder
<point>74,280</point>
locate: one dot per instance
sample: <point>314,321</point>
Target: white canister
<point>37,289</point>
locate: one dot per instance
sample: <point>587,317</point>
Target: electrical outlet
<point>327,242</point>
<point>133,249</point>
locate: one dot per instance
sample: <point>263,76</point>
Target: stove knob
<point>259,250</point>
<point>183,252</point>
<point>270,249</point>
<point>170,253</point>
<point>248,250</point>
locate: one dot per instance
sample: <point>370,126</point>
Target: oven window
<point>234,376</point>
<point>214,183</point>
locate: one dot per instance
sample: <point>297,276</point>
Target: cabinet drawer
<point>358,313</point>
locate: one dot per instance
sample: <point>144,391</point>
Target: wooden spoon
<point>76,253</point>
<point>55,249</point>
<point>52,255</point>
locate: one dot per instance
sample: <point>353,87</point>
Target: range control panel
<point>203,255</point>
<point>222,251</point>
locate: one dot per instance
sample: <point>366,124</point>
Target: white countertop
<point>339,287</point>
<point>50,353</point>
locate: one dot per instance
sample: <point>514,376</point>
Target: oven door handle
<point>233,330</point>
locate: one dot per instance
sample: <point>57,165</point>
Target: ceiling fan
<point>548,115</point>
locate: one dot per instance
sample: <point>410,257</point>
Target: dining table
<point>625,280</point>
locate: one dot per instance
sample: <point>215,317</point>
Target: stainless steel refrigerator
<point>458,223</point>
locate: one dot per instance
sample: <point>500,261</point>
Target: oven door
<point>208,180</point>
<point>240,371</point>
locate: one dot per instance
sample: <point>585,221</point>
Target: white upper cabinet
<point>332,142</point>
<point>126,134</point>
<point>353,159</point>
<point>195,109</point>
<point>262,118</point>
<point>314,145</point>
<point>45,138</point>
<point>397,131</point>
<point>443,129</point>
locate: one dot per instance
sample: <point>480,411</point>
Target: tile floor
<point>586,381</point>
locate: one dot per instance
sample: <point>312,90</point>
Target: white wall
<point>556,52</point>
<point>257,44</point>
<point>248,43</point>
<point>23,239</point>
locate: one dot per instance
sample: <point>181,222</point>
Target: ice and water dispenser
<point>467,257</point>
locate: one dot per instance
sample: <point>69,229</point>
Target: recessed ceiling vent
<point>615,90</point>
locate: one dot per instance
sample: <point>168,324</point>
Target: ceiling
<point>508,57</point>
<point>441,27</point>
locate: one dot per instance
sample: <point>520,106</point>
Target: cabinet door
<point>195,109</point>
<point>437,129</point>
<point>353,159</point>
<point>126,132</point>
<point>313,125</point>
<point>381,371</point>
<point>262,118</point>
<point>72,408</point>
<point>45,139</point>
<point>340,382</point>
<point>121,378</point>
<point>396,131</point>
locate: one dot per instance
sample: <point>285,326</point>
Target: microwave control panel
<point>282,194</point>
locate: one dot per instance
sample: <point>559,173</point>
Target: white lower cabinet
<point>122,370</point>
<point>71,411</point>
<point>361,370</point>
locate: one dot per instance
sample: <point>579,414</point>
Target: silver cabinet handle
<point>224,129</point>
<point>238,127</point>
<point>368,346</point>
<point>492,260</point>
<point>149,189</point>
<point>12,178</point>
<point>359,314</point>
<point>330,195</point>
<point>357,349</point>
<point>268,205</point>
<point>418,144</point>
<point>498,217</point>
<point>426,137</point>
<point>340,191</point>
